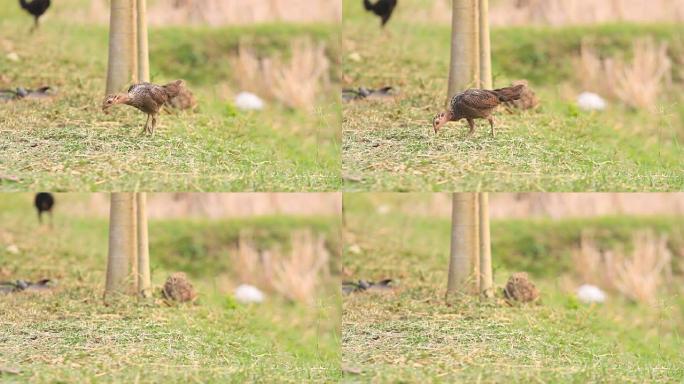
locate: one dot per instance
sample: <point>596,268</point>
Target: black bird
<point>382,8</point>
<point>44,202</point>
<point>36,8</point>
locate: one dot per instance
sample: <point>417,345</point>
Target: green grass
<point>70,336</point>
<point>390,146</point>
<point>410,335</point>
<point>68,144</point>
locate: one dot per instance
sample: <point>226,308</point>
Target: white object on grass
<point>247,101</point>
<point>247,294</point>
<point>589,101</point>
<point>355,249</point>
<point>588,294</point>
<point>355,56</point>
<point>13,249</point>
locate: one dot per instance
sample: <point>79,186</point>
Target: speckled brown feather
<point>520,288</point>
<point>178,288</point>
<point>480,103</point>
<point>184,100</point>
<point>149,98</point>
<point>528,99</point>
<point>146,97</point>
<point>474,104</point>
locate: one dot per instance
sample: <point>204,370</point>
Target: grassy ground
<point>68,144</point>
<point>410,335</point>
<point>389,145</point>
<point>69,336</point>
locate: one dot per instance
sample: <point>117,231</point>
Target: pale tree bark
<point>121,243</point>
<point>134,43</point>
<point>486,283</point>
<point>122,68</point>
<point>485,46</point>
<point>464,68</point>
<point>133,262</point>
<point>143,50</point>
<point>144,281</point>
<point>463,260</point>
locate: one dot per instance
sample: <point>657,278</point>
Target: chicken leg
<point>146,128</point>
<point>471,123</point>
<point>154,124</point>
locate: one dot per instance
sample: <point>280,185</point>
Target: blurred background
<point>541,205</point>
<point>213,205</point>
<point>571,12</point>
<point>556,236</point>
<point>229,12</point>
<point>220,238</point>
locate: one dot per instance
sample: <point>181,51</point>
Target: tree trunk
<point>485,48</point>
<point>486,283</point>
<point>121,245</point>
<point>133,262</point>
<point>144,281</point>
<point>465,67</point>
<point>464,244</point>
<point>143,50</point>
<point>122,68</point>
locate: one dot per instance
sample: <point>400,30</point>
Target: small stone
<point>589,294</point>
<point>354,56</point>
<point>247,101</point>
<point>355,249</point>
<point>589,101</point>
<point>12,56</point>
<point>248,294</point>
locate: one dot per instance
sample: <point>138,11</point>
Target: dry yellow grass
<point>295,83</point>
<point>637,83</point>
<point>638,275</point>
<point>297,275</point>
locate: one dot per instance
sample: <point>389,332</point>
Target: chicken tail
<point>367,4</point>
<point>173,89</point>
<point>509,93</point>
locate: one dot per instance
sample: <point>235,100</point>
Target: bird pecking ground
<point>69,336</point>
<point>68,144</point>
<point>389,145</point>
<point>411,336</point>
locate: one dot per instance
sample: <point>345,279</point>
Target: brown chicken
<point>528,99</point>
<point>148,98</point>
<point>183,101</point>
<point>474,104</point>
<point>520,288</point>
<point>178,288</point>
